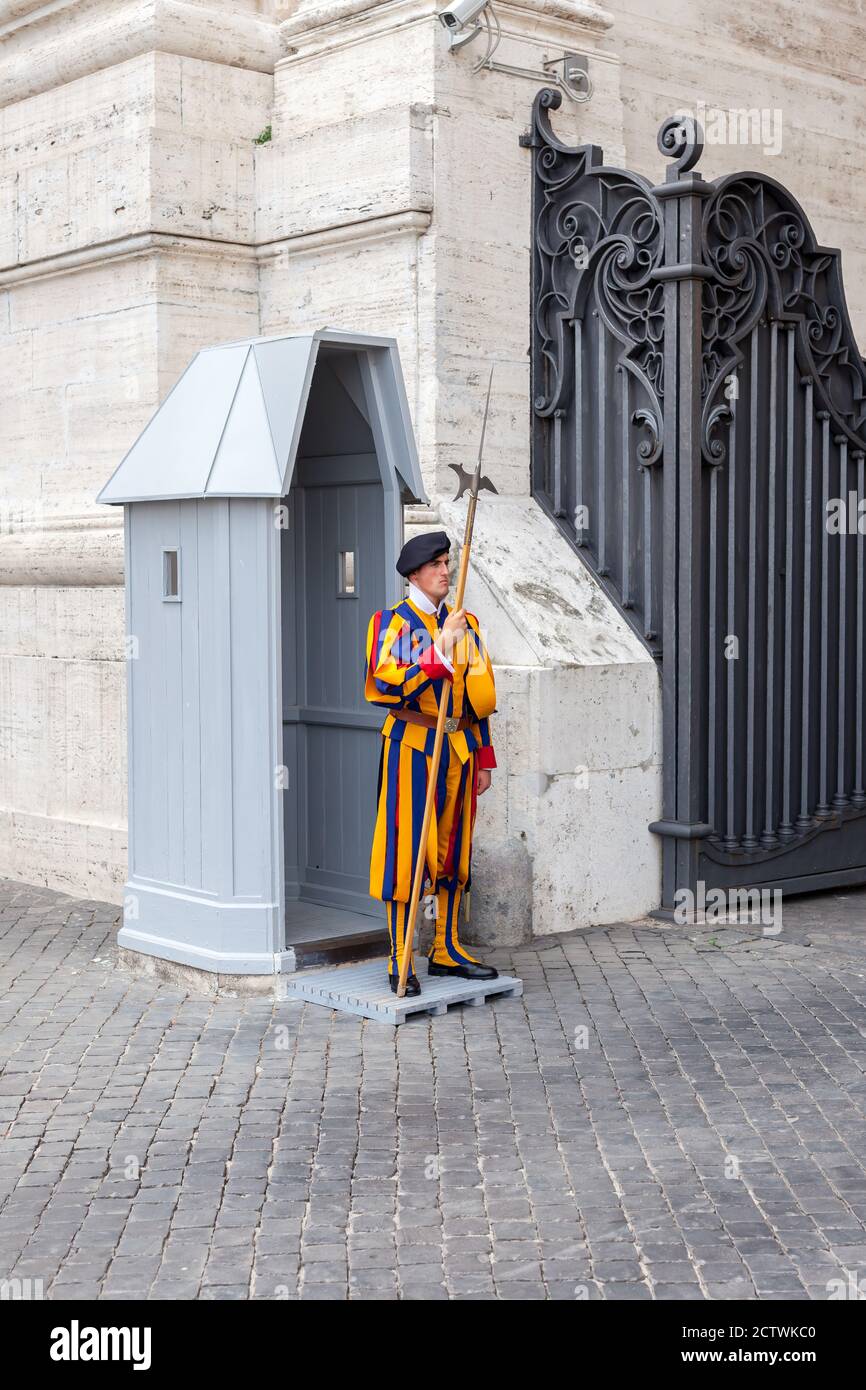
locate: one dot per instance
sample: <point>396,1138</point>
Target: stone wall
<point>126,241</point>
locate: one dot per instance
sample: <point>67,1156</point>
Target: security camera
<point>462,14</point>
<point>465,20</point>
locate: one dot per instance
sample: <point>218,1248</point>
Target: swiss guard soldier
<point>411,650</point>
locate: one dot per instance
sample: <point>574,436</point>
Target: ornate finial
<point>549,99</point>
<point>681,139</point>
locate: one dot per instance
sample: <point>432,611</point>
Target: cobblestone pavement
<point>669,1112</point>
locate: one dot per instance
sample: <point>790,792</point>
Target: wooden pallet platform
<point>363,989</point>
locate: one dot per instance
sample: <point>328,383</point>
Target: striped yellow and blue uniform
<point>403,671</point>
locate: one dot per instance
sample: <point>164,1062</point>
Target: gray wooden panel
<point>251,775</point>
<point>341,761</point>
<point>138,711</point>
<point>202,748</point>
<point>191,692</point>
<point>155,675</point>
<point>212,602</point>
<point>309,924</point>
<point>169,651</point>
<point>332,740</point>
<point>292,613</point>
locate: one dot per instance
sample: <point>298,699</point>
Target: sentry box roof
<point>230,426</point>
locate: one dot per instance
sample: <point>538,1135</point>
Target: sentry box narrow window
<point>346,585</point>
<point>171,573</point>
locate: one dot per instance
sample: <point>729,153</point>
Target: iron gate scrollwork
<point>699,435</point>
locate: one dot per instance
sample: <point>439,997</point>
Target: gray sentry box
<point>262,523</point>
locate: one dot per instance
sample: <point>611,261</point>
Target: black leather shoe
<point>413,984</point>
<point>469,971</point>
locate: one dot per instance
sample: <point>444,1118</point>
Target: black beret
<point>420,549</point>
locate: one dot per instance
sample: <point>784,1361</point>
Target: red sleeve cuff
<point>432,666</point>
<point>485,757</point>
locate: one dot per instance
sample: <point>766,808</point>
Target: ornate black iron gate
<point>699,433</point>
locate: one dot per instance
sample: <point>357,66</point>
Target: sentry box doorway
<point>263,517</point>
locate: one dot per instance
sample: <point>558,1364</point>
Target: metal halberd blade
<point>467,480</point>
<point>474,481</point>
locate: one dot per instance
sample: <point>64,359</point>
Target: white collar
<point>420,599</point>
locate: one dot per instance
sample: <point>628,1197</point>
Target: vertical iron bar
<point>713,637</point>
<point>601,480</point>
<point>804,820</point>
<point>649,616</point>
<point>732,657</point>
<point>858,795</point>
<point>580,499</point>
<point>769,837</point>
<point>668,529</point>
<point>625,521</point>
<point>558,509</point>
<point>682,533</point>
<point>750,839</point>
<point>840,800</point>
<point>823,808</point>
<point>786,828</point>
<point>691,666</point>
